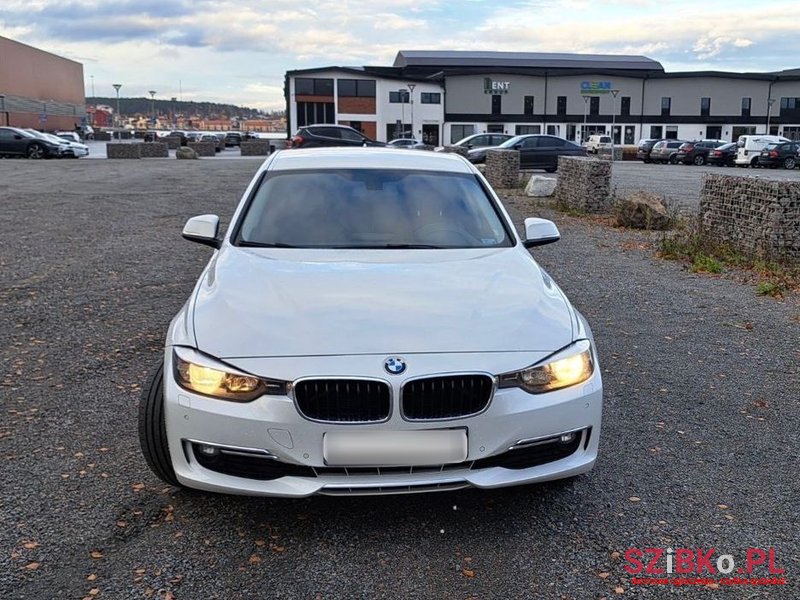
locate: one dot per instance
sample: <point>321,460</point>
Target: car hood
<point>270,303</point>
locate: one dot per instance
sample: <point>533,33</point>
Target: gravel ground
<point>699,447</point>
<point>679,184</point>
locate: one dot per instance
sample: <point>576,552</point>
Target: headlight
<point>196,374</point>
<point>568,367</point>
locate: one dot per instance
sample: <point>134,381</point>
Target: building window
<point>459,132</point>
<point>527,106</point>
<point>356,88</point>
<point>430,98</point>
<point>312,113</point>
<point>625,106</point>
<point>497,104</point>
<point>672,132</point>
<point>527,129</point>
<point>666,104</point>
<point>399,97</point>
<point>746,102</point>
<point>594,105</point>
<point>304,86</point>
<point>705,107</point>
<point>561,105</point>
<point>656,132</point>
<point>790,103</point>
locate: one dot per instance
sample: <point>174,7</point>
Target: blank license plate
<point>394,448</point>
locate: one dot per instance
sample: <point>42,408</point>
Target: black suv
<point>696,153</point>
<point>315,136</point>
<point>780,154</point>
<point>17,142</point>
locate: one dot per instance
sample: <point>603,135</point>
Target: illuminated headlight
<point>568,367</point>
<point>203,375</point>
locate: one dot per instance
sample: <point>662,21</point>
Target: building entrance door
<point>714,132</point>
<point>430,134</point>
<point>630,134</point>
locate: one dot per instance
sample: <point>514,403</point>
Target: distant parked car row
<point>33,144</point>
<point>748,151</point>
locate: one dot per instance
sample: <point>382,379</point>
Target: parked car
<point>233,138</point>
<point>407,143</point>
<point>780,154</point>
<point>218,142</point>
<point>314,136</point>
<point>750,147</point>
<point>645,147</point>
<point>596,142</point>
<point>483,140</point>
<point>723,155</point>
<point>332,376</point>
<point>665,151</point>
<point>70,148</point>
<point>19,142</point>
<point>69,136</point>
<point>536,151</point>
<point>696,153</point>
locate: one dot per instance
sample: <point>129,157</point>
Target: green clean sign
<point>596,87</point>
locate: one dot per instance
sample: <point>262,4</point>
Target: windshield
<point>371,208</point>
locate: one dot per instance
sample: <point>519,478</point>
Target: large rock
<point>643,210</point>
<point>539,186</point>
<point>184,152</point>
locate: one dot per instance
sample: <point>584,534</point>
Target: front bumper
<point>270,431</point>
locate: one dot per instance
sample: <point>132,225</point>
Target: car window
<point>331,132</point>
<point>605,140</point>
<point>674,144</point>
<point>531,142</point>
<point>351,135</point>
<point>372,208</point>
<point>5,134</point>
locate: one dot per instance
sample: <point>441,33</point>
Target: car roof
<point>367,158</point>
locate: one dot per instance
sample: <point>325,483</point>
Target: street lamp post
<point>585,111</point>
<point>402,93</point>
<point>116,87</point>
<point>770,102</point>
<point>613,120</point>
<point>94,99</point>
<point>411,87</point>
<point>153,105</point>
<point>3,111</point>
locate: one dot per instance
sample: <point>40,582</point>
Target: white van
<point>750,146</point>
<point>595,142</point>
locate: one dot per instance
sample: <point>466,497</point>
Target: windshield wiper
<point>247,244</point>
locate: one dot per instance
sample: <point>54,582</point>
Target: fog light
<point>209,450</point>
<point>567,438</point>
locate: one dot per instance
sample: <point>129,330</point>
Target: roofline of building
<point>53,54</point>
<point>373,71</point>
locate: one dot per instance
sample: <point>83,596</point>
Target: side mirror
<point>203,230</point>
<point>539,232</point>
<point>469,146</point>
<point>517,146</point>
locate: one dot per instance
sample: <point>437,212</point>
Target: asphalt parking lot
<point>680,184</point>
<point>699,446</point>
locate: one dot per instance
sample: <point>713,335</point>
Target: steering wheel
<point>430,233</point>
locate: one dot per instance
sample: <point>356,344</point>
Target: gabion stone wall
<point>462,150</point>
<point>255,148</point>
<point>173,141</point>
<point>584,184</point>
<point>122,151</point>
<point>502,168</point>
<point>203,148</point>
<point>756,216</point>
<point>153,150</point>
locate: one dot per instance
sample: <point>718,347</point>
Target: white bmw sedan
<point>371,323</point>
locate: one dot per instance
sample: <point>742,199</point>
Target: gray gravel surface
<point>680,184</point>
<point>700,423</point>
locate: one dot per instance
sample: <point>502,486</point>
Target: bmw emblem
<point>394,365</point>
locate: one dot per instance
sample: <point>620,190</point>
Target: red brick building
<point>39,89</point>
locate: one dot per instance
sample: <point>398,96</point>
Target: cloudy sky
<point>238,50</point>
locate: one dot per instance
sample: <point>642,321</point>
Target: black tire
<point>550,169</point>
<point>699,160</point>
<point>789,163</point>
<point>35,151</point>
<point>754,162</point>
<point>153,430</point>
<point>673,160</point>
